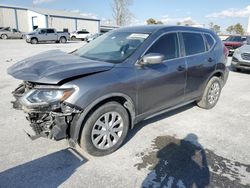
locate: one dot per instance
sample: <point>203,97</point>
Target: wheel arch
<point>34,38</point>
<point>218,73</point>
<point>4,34</point>
<point>77,125</point>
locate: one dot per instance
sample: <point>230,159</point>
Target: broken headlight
<point>47,96</point>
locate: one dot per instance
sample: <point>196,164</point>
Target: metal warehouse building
<point>27,19</point>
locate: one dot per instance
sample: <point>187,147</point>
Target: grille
<point>245,56</point>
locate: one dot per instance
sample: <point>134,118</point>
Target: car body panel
<point>42,36</point>
<point>11,33</point>
<point>146,89</point>
<point>55,66</point>
<point>241,58</point>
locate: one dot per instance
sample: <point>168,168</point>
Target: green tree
<point>152,21</point>
<point>214,27</point>
<point>238,28</point>
<point>230,29</point>
<point>178,23</point>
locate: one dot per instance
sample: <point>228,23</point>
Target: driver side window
<point>166,45</point>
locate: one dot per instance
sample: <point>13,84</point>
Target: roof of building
<point>59,13</point>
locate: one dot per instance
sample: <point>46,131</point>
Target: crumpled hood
<point>54,66</point>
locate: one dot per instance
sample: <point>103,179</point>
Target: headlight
<point>47,96</point>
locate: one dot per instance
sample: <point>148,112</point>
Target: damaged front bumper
<point>47,120</point>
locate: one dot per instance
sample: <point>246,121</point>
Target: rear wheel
<point>105,129</point>
<point>4,36</point>
<point>34,41</point>
<point>73,38</point>
<point>62,40</point>
<point>211,94</point>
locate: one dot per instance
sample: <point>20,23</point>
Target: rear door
<point>82,34</point>
<point>51,35</point>
<point>15,34</point>
<point>200,62</point>
<point>162,85</point>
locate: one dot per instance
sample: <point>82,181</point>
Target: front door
<point>162,85</point>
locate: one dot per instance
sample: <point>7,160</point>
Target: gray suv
<point>96,94</point>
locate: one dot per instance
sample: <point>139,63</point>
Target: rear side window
<point>210,41</point>
<point>82,32</point>
<point>166,45</point>
<point>194,43</point>
<point>50,31</point>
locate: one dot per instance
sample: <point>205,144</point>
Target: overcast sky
<point>221,12</point>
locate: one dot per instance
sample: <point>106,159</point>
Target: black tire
<point>33,41</point>
<point>86,142</point>
<point>4,36</point>
<point>62,40</point>
<point>235,69</point>
<point>205,101</point>
<point>73,38</point>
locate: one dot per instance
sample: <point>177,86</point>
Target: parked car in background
<point>45,35</point>
<point>241,57</point>
<point>93,37</point>
<point>11,33</point>
<point>79,35</point>
<point>234,42</point>
<point>94,95</point>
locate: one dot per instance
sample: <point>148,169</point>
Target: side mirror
<point>152,58</point>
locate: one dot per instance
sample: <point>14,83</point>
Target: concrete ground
<point>183,148</point>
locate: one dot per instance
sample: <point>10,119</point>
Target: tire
<point>62,40</point>
<point>235,69</point>
<point>211,93</point>
<point>95,125</point>
<point>4,36</point>
<point>73,38</point>
<point>33,41</point>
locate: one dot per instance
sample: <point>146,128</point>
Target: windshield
<point>235,39</point>
<point>112,47</point>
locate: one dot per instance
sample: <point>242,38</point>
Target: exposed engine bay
<point>50,119</point>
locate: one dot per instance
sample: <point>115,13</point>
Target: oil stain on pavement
<point>185,163</point>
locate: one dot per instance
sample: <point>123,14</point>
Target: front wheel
<point>4,36</point>
<point>34,41</point>
<point>105,129</point>
<point>211,94</point>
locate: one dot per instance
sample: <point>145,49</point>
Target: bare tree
<point>121,12</point>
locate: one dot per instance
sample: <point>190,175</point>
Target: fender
<point>212,74</point>
<point>77,123</point>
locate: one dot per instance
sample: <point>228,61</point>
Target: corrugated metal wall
<point>7,17</point>
<point>89,25</point>
<point>22,20</point>
<point>62,23</point>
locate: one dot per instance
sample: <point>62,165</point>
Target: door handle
<point>181,68</point>
<point>210,60</point>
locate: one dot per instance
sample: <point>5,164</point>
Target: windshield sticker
<point>138,36</point>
